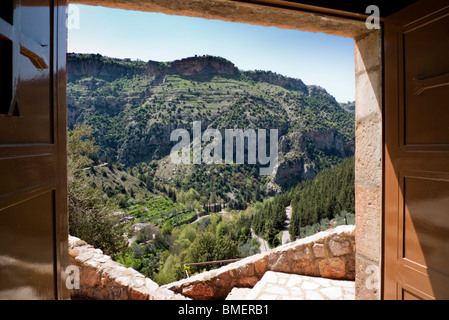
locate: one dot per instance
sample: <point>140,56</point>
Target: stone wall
<point>328,254</point>
<point>95,276</point>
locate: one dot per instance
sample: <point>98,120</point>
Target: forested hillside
<point>134,106</point>
<point>331,194</point>
<point>129,199</point>
<point>325,201</point>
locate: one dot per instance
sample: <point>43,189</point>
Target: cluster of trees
<point>234,186</point>
<point>315,203</point>
<point>124,106</point>
<point>270,219</point>
<point>121,107</point>
<point>322,199</point>
<point>91,211</point>
<point>160,249</point>
<point>162,255</point>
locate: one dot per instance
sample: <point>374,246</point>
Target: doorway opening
<point>367,118</point>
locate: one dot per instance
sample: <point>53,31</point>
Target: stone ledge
<point>329,254</point>
<point>101,278</point>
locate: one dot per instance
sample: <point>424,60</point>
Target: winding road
<point>286,234</point>
<point>263,243</point>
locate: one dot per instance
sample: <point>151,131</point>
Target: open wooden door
<point>416,221</point>
<point>33,156</point>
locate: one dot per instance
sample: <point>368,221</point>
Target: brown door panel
<point>33,156</point>
<point>426,66</point>
<point>416,197</point>
<point>26,252</point>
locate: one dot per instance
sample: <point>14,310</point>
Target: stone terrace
<point>325,255</point>
<point>284,286</point>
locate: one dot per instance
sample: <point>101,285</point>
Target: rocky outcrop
<point>193,66</point>
<point>278,80</point>
<point>134,117</point>
<point>297,149</point>
<point>291,170</point>
<point>97,66</point>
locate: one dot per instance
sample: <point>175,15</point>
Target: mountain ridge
<point>94,64</point>
<point>133,107</point>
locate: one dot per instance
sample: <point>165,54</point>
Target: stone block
<point>248,281</point>
<point>198,290</point>
<point>280,262</point>
<point>339,246</point>
<point>368,95</point>
<point>368,51</point>
<point>306,268</point>
<point>260,265</point>
<point>90,277</point>
<point>368,153</point>
<point>334,268</point>
<point>319,250</point>
<point>367,280</point>
<point>368,204</point>
<point>302,253</point>
<point>138,293</point>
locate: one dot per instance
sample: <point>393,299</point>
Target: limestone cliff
<point>194,66</point>
<point>298,150</point>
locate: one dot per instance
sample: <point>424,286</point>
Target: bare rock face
<point>95,66</point>
<point>193,66</point>
<point>135,106</point>
<point>297,149</point>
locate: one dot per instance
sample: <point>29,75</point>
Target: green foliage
<point>213,238</point>
<point>317,204</point>
<point>270,219</point>
<point>91,213</point>
<point>163,212</point>
<point>324,198</point>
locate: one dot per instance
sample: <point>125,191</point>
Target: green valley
<point>128,198</point>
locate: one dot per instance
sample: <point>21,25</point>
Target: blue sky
<point>316,58</point>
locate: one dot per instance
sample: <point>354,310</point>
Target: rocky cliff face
<point>97,66</point>
<point>194,66</point>
<point>300,148</point>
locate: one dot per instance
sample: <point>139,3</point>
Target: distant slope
<point>134,106</point>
